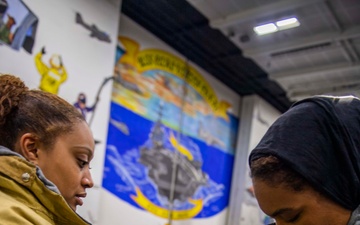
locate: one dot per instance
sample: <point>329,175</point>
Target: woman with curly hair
<point>45,150</point>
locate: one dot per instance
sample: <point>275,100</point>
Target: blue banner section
<point>141,156</point>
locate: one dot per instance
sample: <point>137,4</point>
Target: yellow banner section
<point>182,149</point>
<point>155,59</point>
<point>151,59</point>
<point>132,49</point>
<point>146,204</point>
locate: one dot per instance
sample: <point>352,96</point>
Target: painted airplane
<point>94,31</point>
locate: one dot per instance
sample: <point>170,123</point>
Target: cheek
<point>317,219</point>
<point>319,215</point>
<point>73,175</point>
<point>70,184</point>
<point>69,175</point>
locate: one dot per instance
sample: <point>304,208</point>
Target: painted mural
<point>17,25</point>
<point>170,139</point>
<point>52,75</point>
<point>66,48</point>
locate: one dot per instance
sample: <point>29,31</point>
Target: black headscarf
<point>319,138</point>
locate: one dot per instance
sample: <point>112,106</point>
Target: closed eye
<point>82,163</point>
<point>294,219</point>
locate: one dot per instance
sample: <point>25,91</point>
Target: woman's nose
<point>87,180</point>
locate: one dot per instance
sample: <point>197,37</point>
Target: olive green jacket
<point>27,197</point>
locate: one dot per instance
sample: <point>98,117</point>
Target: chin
<point>73,207</point>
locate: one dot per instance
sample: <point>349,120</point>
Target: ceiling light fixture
<point>279,25</point>
<point>287,23</point>
<point>265,29</point>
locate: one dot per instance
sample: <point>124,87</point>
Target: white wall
<point>256,117</point>
<point>264,115</point>
<point>87,60</point>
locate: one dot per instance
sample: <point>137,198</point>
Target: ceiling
<point>321,56</point>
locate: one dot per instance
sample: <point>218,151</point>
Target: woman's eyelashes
<point>293,219</point>
<point>290,216</point>
<point>82,163</point>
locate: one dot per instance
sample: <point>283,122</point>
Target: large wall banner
<point>167,120</point>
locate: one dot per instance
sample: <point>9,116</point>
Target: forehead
<point>79,138</point>
<point>272,198</point>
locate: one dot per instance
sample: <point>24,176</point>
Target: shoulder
<point>19,204</point>
<point>16,212</point>
<point>30,201</point>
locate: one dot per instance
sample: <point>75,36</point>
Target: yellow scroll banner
<point>182,149</point>
<point>155,59</point>
<point>146,204</point>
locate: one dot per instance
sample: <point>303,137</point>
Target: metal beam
<point>333,18</point>
<point>323,48</point>
<point>335,86</point>
<point>340,91</point>
<point>352,51</point>
<point>319,85</point>
<point>238,181</point>
<point>314,71</point>
<point>263,11</point>
<point>349,52</point>
<point>352,32</point>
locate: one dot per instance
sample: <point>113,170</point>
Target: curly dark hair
<point>32,111</point>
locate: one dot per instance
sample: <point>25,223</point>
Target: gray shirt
<point>355,217</point>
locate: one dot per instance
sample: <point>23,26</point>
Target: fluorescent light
<point>265,29</point>
<point>287,23</point>
<point>280,25</point>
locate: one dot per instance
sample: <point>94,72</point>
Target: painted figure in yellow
<point>51,77</point>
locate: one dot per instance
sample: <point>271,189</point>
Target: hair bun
<point>11,88</point>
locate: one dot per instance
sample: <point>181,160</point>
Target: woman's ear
<point>29,147</point>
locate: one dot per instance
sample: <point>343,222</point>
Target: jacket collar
<point>7,152</point>
<point>29,176</point>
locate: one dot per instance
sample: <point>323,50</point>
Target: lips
<point>79,197</point>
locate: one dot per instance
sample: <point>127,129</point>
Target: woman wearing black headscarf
<point>306,168</point>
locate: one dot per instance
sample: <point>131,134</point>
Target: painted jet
<point>94,31</point>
